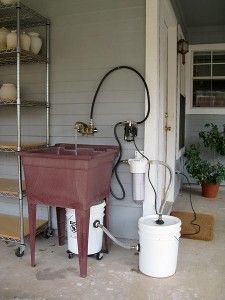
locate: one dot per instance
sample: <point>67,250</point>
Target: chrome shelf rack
<point>18,16</point>
<point>28,17</point>
<point>9,57</point>
<point>12,147</point>
<point>24,103</point>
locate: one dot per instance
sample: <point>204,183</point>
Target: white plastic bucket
<point>95,234</point>
<point>158,245</point>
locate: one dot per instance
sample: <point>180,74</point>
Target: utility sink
<point>66,176</point>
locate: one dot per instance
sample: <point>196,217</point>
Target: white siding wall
<point>87,39</point>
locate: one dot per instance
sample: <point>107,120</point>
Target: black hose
<point>193,221</point>
<point>106,75</point>
<point>115,168</point>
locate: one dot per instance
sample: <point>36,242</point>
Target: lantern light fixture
<point>182,48</point>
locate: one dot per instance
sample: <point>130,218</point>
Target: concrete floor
<point>200,271</point>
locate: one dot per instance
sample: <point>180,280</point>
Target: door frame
<point>154,10</point>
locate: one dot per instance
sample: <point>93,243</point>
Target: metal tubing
<point>97,224</point>
<point>48,105</point>
<point>48,84</point>
<point>18,102</point>
<point>18,79</point>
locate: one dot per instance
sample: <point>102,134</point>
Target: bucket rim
<point>141,223</point>
<point>93,208</point>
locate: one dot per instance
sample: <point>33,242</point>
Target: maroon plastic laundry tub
<point>56,176</point>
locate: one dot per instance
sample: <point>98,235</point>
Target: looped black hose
<point>115,168</point>
<point>107,74</point>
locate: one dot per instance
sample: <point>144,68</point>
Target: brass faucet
<point>85,129</point>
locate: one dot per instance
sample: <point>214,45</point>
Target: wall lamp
<point>182,48</point>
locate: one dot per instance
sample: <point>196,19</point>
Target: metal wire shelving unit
<point>19,16</point>
<point>9,57</point>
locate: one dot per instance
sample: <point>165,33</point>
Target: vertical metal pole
<point>48,108</point>
<point>20,192</point>
<point>48,84</point>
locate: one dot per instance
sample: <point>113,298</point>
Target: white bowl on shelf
<point>8,92</point>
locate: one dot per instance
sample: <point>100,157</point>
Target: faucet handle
<point>85,129</point>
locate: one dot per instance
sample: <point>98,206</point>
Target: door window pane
<point>218,70</point>
<point>201,93</point>
<point>209,93</point>
<point>218,56</point>
<point>218,90</point>
<point>202,70</point>
<point>202,57</point>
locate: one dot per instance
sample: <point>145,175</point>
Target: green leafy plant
<point>213,138</point>
<point>202,170</point>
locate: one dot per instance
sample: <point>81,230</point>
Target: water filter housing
<point>138,168</point>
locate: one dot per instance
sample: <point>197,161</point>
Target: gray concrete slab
<point>200,270</point>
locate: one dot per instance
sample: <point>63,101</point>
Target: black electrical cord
<point>107,74</point>
<point>192,207</point>
<point>155,194</point>
<point>115,168</point>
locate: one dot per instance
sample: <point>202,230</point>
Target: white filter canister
<point>158,245</point>
<point>138,168</point>
<point>138,186</point>
<point>95,234</point>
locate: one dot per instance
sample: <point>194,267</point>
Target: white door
<point>167,94</point>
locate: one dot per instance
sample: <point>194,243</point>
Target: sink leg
<point>107,240</point>
<point>32,228</point>
<point>82,220</point>
<point>61,222</point>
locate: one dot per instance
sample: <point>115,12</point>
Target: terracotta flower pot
<point>210,190</point>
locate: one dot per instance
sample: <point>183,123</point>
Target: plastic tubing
<point>169,184</point>
<point>115,240</point>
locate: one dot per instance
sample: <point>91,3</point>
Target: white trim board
<point>152,130</point>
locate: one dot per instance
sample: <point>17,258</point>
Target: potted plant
<point>209,175</point>
<point>213,138</point>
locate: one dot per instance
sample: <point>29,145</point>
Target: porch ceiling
<point>196,15</point>
<point>203,12</point>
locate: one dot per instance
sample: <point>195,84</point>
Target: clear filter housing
<point>138,168</point>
